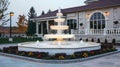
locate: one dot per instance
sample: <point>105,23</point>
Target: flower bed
<point>105,48</point>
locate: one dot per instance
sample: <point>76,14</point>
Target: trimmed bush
<point>78,54</point>
<point>11,49</point>
<point>106,41</point>
<point>22,53</point>
<point>60,54</point>
<point>85,55</point>
<point>92,40</point>
<point>35,54</point>
<point>81,54</point>
<point>30,54</point>
<point>44,54</point>
<point>86,40</point>
<point>97,52</point>
<point>61,57</point>
<point>4,40</point>
<point>0,50</point>
<point>72,56</point>
<point>39,56</point>
<point>91,53</point>
<point>5,50</point>
<point>80,39</point>
<point>98,40</point>
<point>114,41</point>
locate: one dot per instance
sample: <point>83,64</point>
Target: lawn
<point>18,40</point>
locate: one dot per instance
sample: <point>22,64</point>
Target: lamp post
<point>11,14</point>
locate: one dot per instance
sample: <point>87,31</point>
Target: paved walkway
<point>106,61</point>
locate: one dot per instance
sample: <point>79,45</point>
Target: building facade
<point>99,19</point>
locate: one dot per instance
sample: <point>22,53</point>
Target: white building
<point>97,19</point>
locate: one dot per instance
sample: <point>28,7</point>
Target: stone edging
<point>57,61</point>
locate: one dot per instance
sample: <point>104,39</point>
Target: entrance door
<point>43,28</point>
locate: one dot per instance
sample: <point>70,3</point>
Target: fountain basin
<point>69,47</point>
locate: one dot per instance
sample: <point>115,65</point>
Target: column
<point>106,25</point>
<point>37,28</point>
<point>47,26</point>
<point>104,31</point>
<point>41,27</point>
<point>87,24</point>
<point>78,24</point>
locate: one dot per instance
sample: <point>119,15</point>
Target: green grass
<point>18,40</point>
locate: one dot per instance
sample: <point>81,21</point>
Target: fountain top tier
<point>59,27</point>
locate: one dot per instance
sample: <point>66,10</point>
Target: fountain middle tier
<point>63,27</point>
<point>58,36</point>
<point>59,20</point>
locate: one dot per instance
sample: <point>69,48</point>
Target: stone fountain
<point>59,45</point>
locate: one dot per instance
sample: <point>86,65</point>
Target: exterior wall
<point>116,16</point>
<point>113,15</point>
<point>83,20</point>
<point>72,16</point>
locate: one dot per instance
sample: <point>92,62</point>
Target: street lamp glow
<point>11,13</point>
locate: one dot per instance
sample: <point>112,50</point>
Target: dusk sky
<point>20,7</point>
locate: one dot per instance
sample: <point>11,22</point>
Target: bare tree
<point>3,8</point>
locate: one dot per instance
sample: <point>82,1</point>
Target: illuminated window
<point>72,23</point>
<point>97,21</point>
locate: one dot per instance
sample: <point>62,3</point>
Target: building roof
<point>92,6</point>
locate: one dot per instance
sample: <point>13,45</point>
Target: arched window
<point>72,23</point>
<point>97,21</point>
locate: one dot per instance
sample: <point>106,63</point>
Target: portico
<point>43,25</point>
